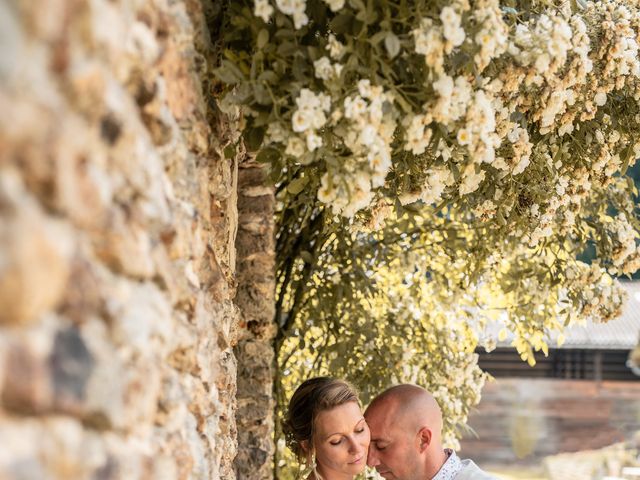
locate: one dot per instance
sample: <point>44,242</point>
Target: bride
<point>326,430</point>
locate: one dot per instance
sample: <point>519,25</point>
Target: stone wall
<point>118,223</point>
<point>255,354</point>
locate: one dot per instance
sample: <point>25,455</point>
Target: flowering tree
<point>438,165</point>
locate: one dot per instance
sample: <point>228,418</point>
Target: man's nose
<point>372,458</point>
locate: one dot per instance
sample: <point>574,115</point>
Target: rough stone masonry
<point>134,254</point>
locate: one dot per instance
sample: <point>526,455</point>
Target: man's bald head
<point>408,404</point>
<point>406,433</point>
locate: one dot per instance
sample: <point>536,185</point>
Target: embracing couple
<point>400,434</point>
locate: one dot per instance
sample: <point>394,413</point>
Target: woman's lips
<point>356,461</point>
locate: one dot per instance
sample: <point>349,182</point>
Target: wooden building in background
<point>582,396</point>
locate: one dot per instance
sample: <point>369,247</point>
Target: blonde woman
<point>326,430</point>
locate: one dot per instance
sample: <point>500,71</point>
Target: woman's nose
<point>354,446</point>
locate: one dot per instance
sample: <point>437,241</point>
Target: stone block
<point>140,316</point>
<point>125,247</point>
<point>35,254</point>
<point>82,298</point>
<point>82,189</point>
<point>11,41</point>
<point>70,366</point>
<point>26,387</point>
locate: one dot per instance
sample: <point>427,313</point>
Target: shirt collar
<point>451,467</point>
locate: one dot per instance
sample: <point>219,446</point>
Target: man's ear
<point>424,438</point>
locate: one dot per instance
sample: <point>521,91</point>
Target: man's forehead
<point>381,415</point>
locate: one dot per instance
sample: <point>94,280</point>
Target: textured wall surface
<point>255,299</point>
<point>118,225</point>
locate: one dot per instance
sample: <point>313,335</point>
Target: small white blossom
<point>296,9</point>
<point>470,179</point>
<point>295,147</point>
<point>335,48</point>
<point>335,5</point>
<point>263,9</point>
<point>323,68</point>
<point>313,141</point>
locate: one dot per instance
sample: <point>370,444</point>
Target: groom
<point>406,439</point>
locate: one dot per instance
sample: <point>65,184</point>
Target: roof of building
<point>623,333</point>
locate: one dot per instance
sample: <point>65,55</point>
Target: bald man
<point>406,439</point>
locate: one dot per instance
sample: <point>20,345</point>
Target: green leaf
<point>268,155</point>
<point>253,138</point>
<point>392,44</point>
<point>297,185</point>
<point>263,118</point>
<point>378,37</point>
<point>343,23</point>
<point>261,94</point>
<point>228,75</point>
<point>300,68</point>
<point>229,151</point>
<point>263,38</point>
<point>626,155</point>
<point>306,256</point>
<point>268,76</point>
<point>286,49</point>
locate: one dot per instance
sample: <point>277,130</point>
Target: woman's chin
<point>358,466</point>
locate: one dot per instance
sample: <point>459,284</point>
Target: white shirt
<point>451,467</point>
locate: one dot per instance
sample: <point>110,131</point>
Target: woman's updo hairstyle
<point>313,396</point>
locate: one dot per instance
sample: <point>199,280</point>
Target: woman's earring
<point>310,466</point>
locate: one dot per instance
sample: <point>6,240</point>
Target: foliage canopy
<point>439,166</point>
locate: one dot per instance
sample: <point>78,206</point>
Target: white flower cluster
<point>453,98</point>
<point>295,9</point>
<point>437,180</point>
<point>545,76</point>
<point>542,47</point>
<point>430,42</point>
<point>492,38</point>
<point>567,196</point>
<point>461,375</point>
<point>521,148</point>
<point>368,127</point>
<point>263,9</point>
<point>624,54</point>
<point>472,177</point>
<point>325,70</point>
<point>418,133</point>
<point>469,113</point>
<point>335,5</point>
<point>556,104</point>
<point>485,210</point>
<point>451,30</point>
<point>334,47</point>
<point>598,296</point>
<point>478,132</point>
<point>544,43</point>
<point>310,116</point>
<point>626,254</point>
